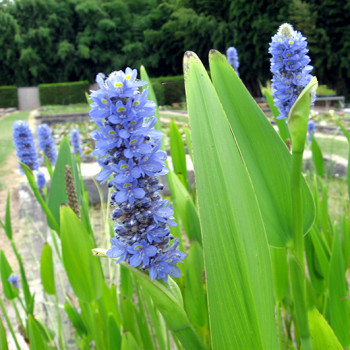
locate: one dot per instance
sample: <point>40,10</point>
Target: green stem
<point>296,260</point>
<point>19,318</point>
<point>9,324</point>
<point>59,322</point>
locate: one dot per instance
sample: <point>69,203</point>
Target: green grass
<point>324,90</point>
<point>62,109</point>
<point>330,145</point>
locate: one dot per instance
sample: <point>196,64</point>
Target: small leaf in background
<point>317,156</point>
<point>3,338</point>
<point>338,304</point>
<point>5,270</point>
<point>194,293</point>
<point>34,334</point>
<point>7,226</point>
<point>178,153</point>
<point>322,335</point>
<point>185,208</point>
<point>75,318</point>
<point>264,153</point>
<point>57,194</point>
<point>46,270</point>
<point>83,270</point>
<point>129,342</point>
<point>236,253</point>
<point>281,123</point>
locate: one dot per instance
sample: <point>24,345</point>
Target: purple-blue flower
<point>75,141</point>
<point>290,67</point>
<point>232,58</point>
<point>311,129</point>
<point>46,142</point>
<point>128,150</point>
<point>25,146</point>
<point>40,180</point>
<point>13,279</point>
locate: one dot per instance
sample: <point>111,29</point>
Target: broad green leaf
<point>195,298</point>
<point>317,156</point>
<point>338,303</point>
<point>322,335</point>
<point>5,270</point>
<point>345,229</point>
<point>281,123</point>
<point>36,339</point>
<point>280,272</point>
<point>46,270</point>
<point>186,209</point>
<point>115,338</point>
<point>298,116</point>
<point>57,194</point>
<point>189,142</point>
<point>178,154</point>
<point>264,153</point>
<point>83,270</point>
<point>151,96</point>
<point>129,316</point>
<point>236,254</point>
<point>129,342</point>
<point>3,338</point>
<point>32,182</point>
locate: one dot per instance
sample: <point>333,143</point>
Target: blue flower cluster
<point>128,148</point>
<point>290,66</point>
<point>46,142</point>
<point>40,179</point>
<point>232,58</point>
<point>13,279</point>
<point>25,145</point>
<point>311,129</point>
<point>75,141</point>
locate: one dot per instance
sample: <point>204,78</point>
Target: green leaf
<point>115,338</point>
<point>129,342</point>
<point>83,270</point>
<point>194,293</point>
<point>48,166</point>
<point>189,142</point>
<point>3,338</point>
<point>178,154</point>
<point>317,156</point>
<point>75,318</point>
<point>186,209</point>
<point>151,96</point>
<point>32,182</point>
<point>264,153</point>
<point>57,194</point>
<point>338,304</point>
<point>7,226</point>
<point>281,123</point>
<point>236,255</point>
<point>34,334</point>
<point>347,135</point>
<point>298,116</point>
<point>46,270</point>
<point>5,270</point>
<point>322,335</point>
<point>280,272</point>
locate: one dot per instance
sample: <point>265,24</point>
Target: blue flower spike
<point>290,67</point>
<point>13,279</point>
<point>128,150</point>
<point>40,179</point>
<point>232,58</point>
<point>25,146</point>
<point>75,141</point>
<point>46,142</point>
<point>311,129</point>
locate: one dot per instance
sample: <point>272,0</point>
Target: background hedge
<point>8,96</point>
<point>63,93</point>
<point>169,89</point>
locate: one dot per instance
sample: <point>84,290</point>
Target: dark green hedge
<point>169,89</point>
<point>63,93</point>
<point>8,96</point>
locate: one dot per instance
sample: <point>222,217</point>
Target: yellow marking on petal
<point>111,132</point>
<point>132,123</point>
<point>118,84</point>
<point>127,185</point>
<point>133,141</point>
<point>298,76</point>
<point>287,81</point>
<point>124,166</point>
<point>279,39</point>
<point>136,103</point>
<point>128,77</point>
<point>290,42</point>
<point>145,159</point>
<point>121,109</point>
<point>104,100</point>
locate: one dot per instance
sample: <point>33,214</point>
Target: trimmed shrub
<point>63,93</point>
<point>169,89</point>
<point>8,96</point>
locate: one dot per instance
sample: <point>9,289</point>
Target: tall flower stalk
<point>128,149</point>
<point>75,141</point>
<point>25,146</point>
<point>232,58</point>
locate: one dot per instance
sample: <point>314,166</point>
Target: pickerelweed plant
<point>232,58</point>
<point>46,142</point>
<point>75,141</point>
<point>128,148</point>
